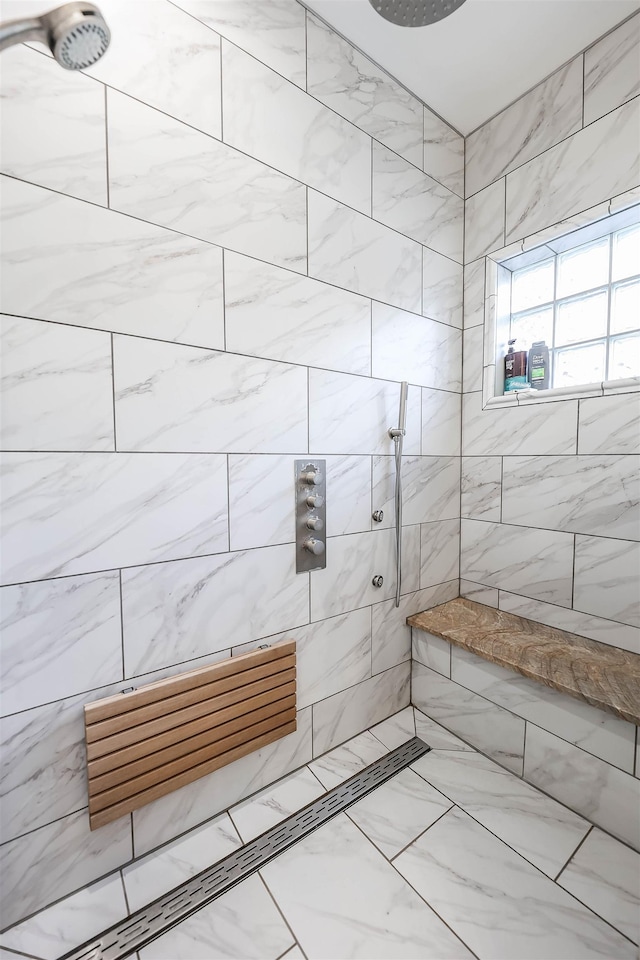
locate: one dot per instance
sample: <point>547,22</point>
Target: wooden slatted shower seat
<point>144,744</point>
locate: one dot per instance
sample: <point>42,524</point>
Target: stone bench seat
<point>604,676</point>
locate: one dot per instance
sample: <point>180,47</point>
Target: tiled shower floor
<point>454,857</point>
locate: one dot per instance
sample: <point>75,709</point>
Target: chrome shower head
<point>415,13</point>
<point>76,34</point>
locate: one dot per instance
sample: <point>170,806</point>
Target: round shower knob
<point>377,580</point>
<point>313,477</point>
<point>314,501</point>
<point>315,523</point>
<point>316,547</point>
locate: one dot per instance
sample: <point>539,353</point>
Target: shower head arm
<point>21,31</point>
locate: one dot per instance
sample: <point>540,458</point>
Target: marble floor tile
<point>347,760</point>
<point>605,875</point>
<point>497,903</point>
<point>540,829</point>
<point>243,924</point>
<point>398,812</point>
<point>396,730</point>
<point>263,811</point>
<point>343,899</point>
<point>147,879</point>
<point>294,954</point>
<point>437,737</point>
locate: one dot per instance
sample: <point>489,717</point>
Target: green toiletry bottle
<point>539,366</point>
<point>515,369</point>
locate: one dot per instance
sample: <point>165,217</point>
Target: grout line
<point>124,886</point>
<point>18,953</point>
<point>224,302</point>
<point>106,146</point>
<point>222,110</point>
<point>426,829</point>
<point>113,397</point>
<point>570,858</point>
<point>280,911</point>
<point>228,459</point>
<point>121,626</point>
<point>573,570</point>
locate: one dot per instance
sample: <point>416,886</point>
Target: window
<point>583,300</point>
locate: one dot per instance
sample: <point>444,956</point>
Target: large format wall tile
<point>179,611</point>
<point>607,575</point>
<point>52,126</point>
<point>163,171</point>
<point>416,349</point>
<point>612,70</point>
<point>342,716</point>
<point>610,424</point>
<point>440,423</point>
<point>56,386</point>
<point>474,301</point>
<point>602,793</point>
<point>280,315</point>
<point>597,163</point>
<point>175,398</point>
<point>441,288</point>
<point>440,552</point>
<point>481,488</point>
<point>545,428</point>
<point>70,513</point>
<point>349,83</point>
<point>390,635</point>
<point>271,119</point>
<point>149,50</point>
<point>484,222</point>
<point>536,563</point>
<point>547,114</point>
<point>473,340</point>
<point>273,32</point>
<point>97,268</point>
<point>587,494</point>
<point>430,489</point>
<point>418,206</point>
<point>58,638</point>
<point>444,153</point>
<point>354,252</point>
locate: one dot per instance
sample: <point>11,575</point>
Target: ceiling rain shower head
<point>415,13</point>
<point>76,34</point>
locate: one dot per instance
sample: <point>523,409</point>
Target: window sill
<point>529,396</point>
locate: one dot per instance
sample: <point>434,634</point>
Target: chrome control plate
<point>311,514</point>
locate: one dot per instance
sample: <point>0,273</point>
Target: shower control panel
<point>311,515</point>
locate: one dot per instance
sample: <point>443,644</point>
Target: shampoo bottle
<point>515,369</point>
<point>539,366</point>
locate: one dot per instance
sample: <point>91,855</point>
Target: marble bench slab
<point>604,676</point>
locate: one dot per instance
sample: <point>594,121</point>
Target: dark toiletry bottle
<point>539,366</point>
<point>515,369</point>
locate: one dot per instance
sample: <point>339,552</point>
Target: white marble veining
<point>418,206</point>
<point>605,875</point>
<point>541,118</point>
<point>484,215</point>
<point>348,759</point>
<point>540,829</point>
<point>345,714</point>
<point>173,398</point>
<point>488,727</point>
<point>536,563</point>
<point>610,424</point>
<point>150,877</point>
<point>57,391</point>
<point>44,865</point>
<point>178,611</point>
<point>431,651</point>
<point>345,583</point>
<point>398,811</point>
<point>538,429</point>
<point>430,489</point>
<point>474,299</point>
<point>416,349</point>
<point>357,253</point>
<point>97,268</point>
<point>257,814</point>
<point>606,575</point>
<point>52,126</point>
<point>596,731</point>
<point>473,347</point>
<point>352,415</point>
<point>343,899</point>
<point>612,70</point>
<point>585,494</point>
<point>600,792</point>
<point>440,552</point>
<point>444,156</point>
<point>147,53</point>
<point>163,171</point>
<point>440,423</point>
<point>596,628</point>
<point>164,819</point>
<point>70,513</point>
<point>436,736</point>
<point>441,288</point>
<point>390,635</point>
<point>71,921</point>
<point>481,488</point>
<point>355,87</point>
<point>271,119</point>
<point>59,637</point>
<point>242,924</point>
<point>479,593</point>
<point>594,164</point>
<point>396,730</point>
<point>280,315</point>
<point>499,904</point>
<point>273,32</point>
<point>332,655</point>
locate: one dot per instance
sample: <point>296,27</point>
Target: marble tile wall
<point>216,263</point>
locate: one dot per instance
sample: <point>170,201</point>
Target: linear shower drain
<point>149,923</point>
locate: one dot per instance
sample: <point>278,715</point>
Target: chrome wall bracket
<point>311,515</point>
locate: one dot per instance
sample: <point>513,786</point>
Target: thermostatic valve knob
<point>314,501</point>
<point>313,477</point>
<point>378,515</point>
<point>315,523</point>
<point>316,547</point>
